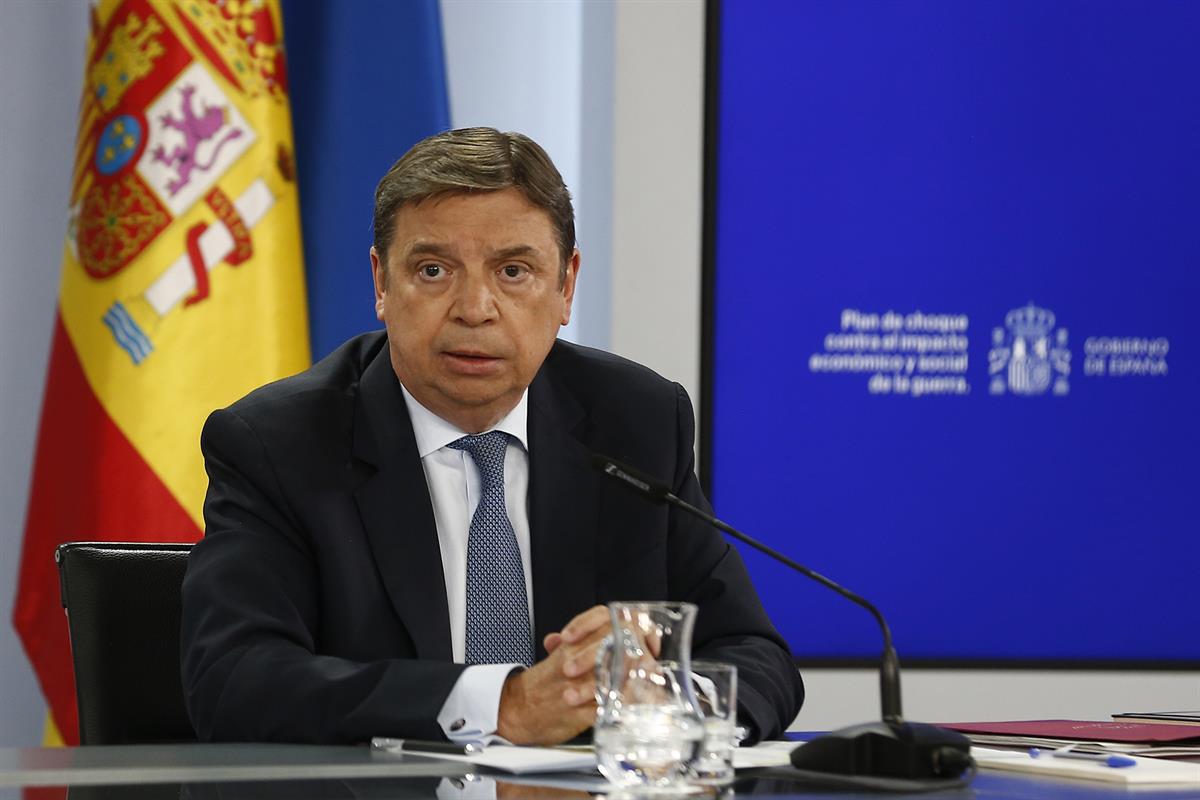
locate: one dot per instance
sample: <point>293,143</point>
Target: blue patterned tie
<point>497,608</point>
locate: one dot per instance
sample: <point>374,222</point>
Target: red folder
<point>1104,731</point>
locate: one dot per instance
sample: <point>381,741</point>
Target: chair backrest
<point>123,605</point>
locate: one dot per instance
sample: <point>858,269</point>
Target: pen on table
<point>430,748</point>
<point>1099,758</point>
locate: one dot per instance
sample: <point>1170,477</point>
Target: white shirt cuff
<point>708,690</point>
<point>472,709</point>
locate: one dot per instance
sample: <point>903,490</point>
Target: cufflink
<point>458,725</point>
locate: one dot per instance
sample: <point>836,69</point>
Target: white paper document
<point>1146,772</point>
<point>522,760</point>
<point>764,754</point>
<point>511,758</point>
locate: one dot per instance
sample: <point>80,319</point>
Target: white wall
<point>845,696</point>
<point>41,69</point>
<point>614,92</point>
<point>517,66</point>
<point>658,150</point>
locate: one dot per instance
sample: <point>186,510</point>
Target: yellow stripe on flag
<point>50,735</point>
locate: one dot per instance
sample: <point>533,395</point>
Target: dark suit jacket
<point>314,609</point>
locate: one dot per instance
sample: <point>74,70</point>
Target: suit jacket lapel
<point>396,510</point>
<point>563,510</point>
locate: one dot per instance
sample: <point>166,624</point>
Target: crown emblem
<point>1029,322</point>
<point>1028,355</point>
<point>242,42</point>
<point>130,56</point>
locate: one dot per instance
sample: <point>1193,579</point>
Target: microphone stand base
<point>906,750</point>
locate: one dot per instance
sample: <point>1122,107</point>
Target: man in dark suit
<point>408,538</point>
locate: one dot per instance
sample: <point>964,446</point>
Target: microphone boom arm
<point>880,755</point>
<point>889,676</point>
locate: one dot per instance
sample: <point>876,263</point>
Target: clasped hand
<point>555,699</point>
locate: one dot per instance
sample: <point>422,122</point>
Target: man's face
<point>472,302</point>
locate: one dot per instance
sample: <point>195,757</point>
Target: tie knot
<point>487,450</point>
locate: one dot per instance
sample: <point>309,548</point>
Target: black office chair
<point>123,605</point>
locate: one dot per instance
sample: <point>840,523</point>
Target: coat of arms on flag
<point>162,130</point>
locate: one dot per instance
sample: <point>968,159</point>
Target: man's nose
<point>475,302</point>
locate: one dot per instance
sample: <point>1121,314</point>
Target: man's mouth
<point>471,362</point>
<point>479,354</point>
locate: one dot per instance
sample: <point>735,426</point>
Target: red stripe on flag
<point>89,484</point>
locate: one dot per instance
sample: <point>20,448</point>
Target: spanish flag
<point>182,286</point>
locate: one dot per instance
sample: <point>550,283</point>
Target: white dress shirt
<point>471,709</point>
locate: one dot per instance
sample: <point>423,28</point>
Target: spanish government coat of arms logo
<point>1028,354</point>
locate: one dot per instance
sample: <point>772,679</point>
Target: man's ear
<point>568,288</point>
<point>379,276</point>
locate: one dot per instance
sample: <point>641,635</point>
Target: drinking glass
<point>716,692</point>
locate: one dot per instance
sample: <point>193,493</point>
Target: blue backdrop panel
<point>367,82</point>
<point>1015,477</point>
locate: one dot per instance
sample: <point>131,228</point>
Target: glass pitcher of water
<point>648,722</point>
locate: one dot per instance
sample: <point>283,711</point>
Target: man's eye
<point>513,271</point>
<point>431,270</point>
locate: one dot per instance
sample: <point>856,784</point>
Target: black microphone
<point>891,749</point>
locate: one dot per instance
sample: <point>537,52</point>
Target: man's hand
<point>555,699</point>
